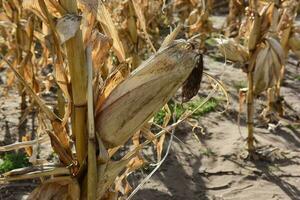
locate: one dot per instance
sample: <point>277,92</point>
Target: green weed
<point>190,106</point>
<point>12,161</point>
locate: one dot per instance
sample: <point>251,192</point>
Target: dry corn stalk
<point>264,57</point>
<point>135,100</point>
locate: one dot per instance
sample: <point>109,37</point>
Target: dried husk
<point>268,63</point>
<point>232,50</point>
<point>135,100</point>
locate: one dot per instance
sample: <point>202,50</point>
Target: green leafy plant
<point>12,161</point>
<point>190,106</point>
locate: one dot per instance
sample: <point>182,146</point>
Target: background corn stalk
<point>262,59</point>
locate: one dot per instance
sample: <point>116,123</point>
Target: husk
<point>134,101</point>
<point>232,50</point>
<point>269,61</point>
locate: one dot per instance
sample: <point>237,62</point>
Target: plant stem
<point>78,72</point>
<point>92,161</point>
<point>250,109</point>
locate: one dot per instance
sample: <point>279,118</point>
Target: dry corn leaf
<point>57,189</point>
<point>103,16</point>
<point>33,5</point>
<point>255,32</point>
<point>105,180</point>
<point>101,46</point>
<point>131,23</point>
<point>67,26</point>
<point>171,37</point>
<point>135,100</point>
<point>161,140</point>
<point>27,138</point>
<point>89,21</point>
<point>50,114</point>
<point>25,144</point>
<point>142,20</point>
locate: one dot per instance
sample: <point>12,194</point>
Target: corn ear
<point>232,50</point>
<point>148,88</point>
<point>268,63</point>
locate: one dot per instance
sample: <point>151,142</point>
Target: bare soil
<point>216,167</point>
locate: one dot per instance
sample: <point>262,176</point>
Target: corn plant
<point>261,54</point>
<point>104,100</point>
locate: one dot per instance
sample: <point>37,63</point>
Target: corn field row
<point>118,63</point>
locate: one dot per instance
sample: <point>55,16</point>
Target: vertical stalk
<point>250,97</point>
<point>78,72</point>
<point>23,106</point>
<point>92,175</point>
<point>250,111</point>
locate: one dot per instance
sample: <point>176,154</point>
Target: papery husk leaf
<point>134,101</point>
<point>232,50</point>
<point>261,78</point>
<point>269,61</point>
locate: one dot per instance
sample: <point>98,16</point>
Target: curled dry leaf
<point>105,19</point>
<point>67,26</point>
<point>232,50</point>
<point>101,46</point>
<point>27,138</point>
<point>142,20</point>
<point>268,63</point>
<point>135,100</point>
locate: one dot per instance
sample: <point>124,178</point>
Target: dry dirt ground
<point>213,168</point>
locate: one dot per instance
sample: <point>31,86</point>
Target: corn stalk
<point>78,72</point>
